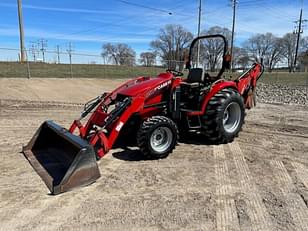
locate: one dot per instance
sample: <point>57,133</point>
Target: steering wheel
<point>175,73</point>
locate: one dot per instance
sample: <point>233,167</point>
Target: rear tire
<point>157,137</point>
<point>224,116</point>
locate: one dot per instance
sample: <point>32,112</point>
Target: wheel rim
<point>161,139</point>
<point>232,117</point>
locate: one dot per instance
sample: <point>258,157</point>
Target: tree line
<point>173,41</point>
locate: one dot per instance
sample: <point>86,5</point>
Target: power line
<point>215,10</point>
<point>252,2</point>
<point>118,23</point>
<point>144,6</point>
<point>279,11</point>
<point>270,9</point>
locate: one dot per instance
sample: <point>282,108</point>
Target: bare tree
<point>120,54</point>
<point>288,43</point>
<point>241,58</point>
<point>267,47</point>
<point>275,53</point>
<point>303,55</point>
<point>304,44</point>
<point>110,52</point>
<point>147,58</point>
<point>171,43</point>
<point>303,59</point>
<point>274,50</point>
<point>258,46</point>
<point>211,50</point>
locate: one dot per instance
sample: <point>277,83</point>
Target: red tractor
<point>153,110</point>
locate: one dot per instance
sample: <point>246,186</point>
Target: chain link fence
<point>275,87</point>
<point>51,64</point>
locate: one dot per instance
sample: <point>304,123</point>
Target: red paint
<point>145,91</point>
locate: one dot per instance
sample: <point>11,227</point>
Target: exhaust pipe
<point>63,160</point>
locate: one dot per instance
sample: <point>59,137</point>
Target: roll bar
<point>226,61</point>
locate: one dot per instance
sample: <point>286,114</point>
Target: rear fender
<point>214,90</point>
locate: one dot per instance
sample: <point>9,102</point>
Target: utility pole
<point>33,50</point>
<point>43,45</point>
<point>199,30</point>
<point>21,32</point>
<point>69,51</point>
<point>298,30</point>
<point>58,53</point>
<point>234,2</point>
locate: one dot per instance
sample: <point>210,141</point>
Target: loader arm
<point>110,124</point>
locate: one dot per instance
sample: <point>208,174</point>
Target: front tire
<point>157,137</point>
<point>224,116</point>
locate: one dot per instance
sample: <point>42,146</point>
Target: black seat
<point>194,78</point>
<point>195,75</point>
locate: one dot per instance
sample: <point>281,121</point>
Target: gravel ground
<point>275,93</point>
<point>258,182</point>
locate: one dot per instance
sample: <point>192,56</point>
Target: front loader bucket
<point>63,160</point>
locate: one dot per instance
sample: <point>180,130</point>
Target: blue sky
<point>89,24</point>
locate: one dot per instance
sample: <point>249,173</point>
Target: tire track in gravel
<point>16,103</point>
<point>256,209</point>
<point>69,208</point>
<point>12,142</point>
<point>295,204</point>
<point>15,132</point>
<point>301,172</point>
<point>55,210</point>
<point>226,214</point>
<point>149,191</point>
<point>18,195</point>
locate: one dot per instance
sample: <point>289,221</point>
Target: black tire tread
<point>145,129</point>
<point>210,120</point>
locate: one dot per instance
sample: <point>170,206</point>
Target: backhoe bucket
<point>63,160</point>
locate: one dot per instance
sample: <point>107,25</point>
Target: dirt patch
<point>259,182</point>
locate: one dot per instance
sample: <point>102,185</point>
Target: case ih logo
<point>159,87</point>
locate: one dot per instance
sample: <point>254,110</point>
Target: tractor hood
<point>142,85</point>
